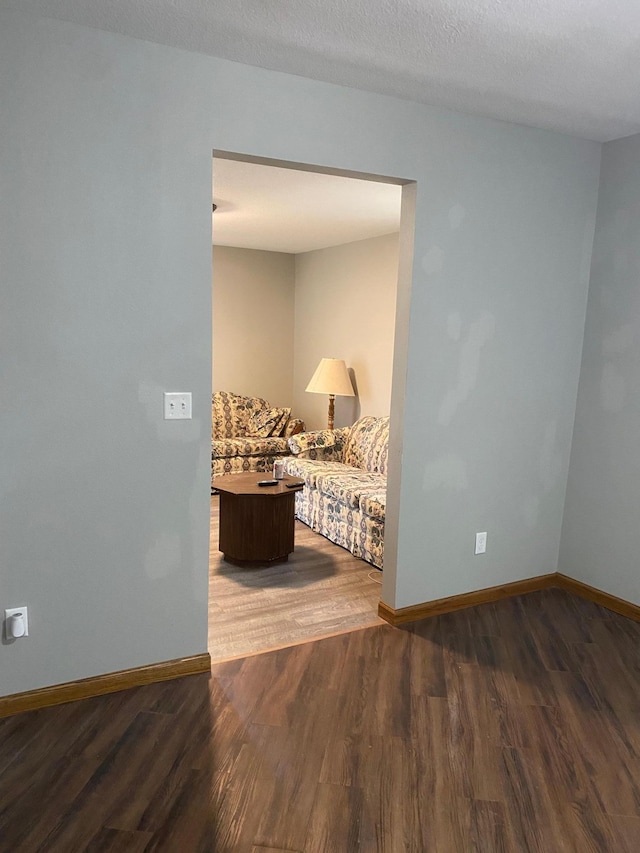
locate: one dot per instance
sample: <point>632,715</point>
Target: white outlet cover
<point>481,543</point>
<point>177,405</point>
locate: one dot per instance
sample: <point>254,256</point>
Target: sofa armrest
<point>326,444</point>
<point>293,427</point>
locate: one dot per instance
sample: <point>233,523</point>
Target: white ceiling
<point>570,65</point>
<point>286,210</point>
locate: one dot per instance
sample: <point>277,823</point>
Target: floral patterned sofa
<point>345,474</point>
<point>247,434</point>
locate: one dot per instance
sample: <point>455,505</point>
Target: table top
<point>247,484</point>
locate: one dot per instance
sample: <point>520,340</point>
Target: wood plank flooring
<point>321,590</point>
<point>511,727</point>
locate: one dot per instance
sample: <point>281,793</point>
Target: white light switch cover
<point>177,405</point>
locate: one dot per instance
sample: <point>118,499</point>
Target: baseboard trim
<point>496,593</point>
<point>97,685</point>
<point>598,596</point>
<point>467,599</point>
<point>112,682</point>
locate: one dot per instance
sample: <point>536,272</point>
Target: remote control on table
<point>267,482</point>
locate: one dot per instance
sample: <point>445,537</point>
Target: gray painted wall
<point>601,531</point>
<point>106,302</point>
<point>496,325</point>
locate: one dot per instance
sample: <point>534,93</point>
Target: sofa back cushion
<point>292,427</point>
<point>368,445</point>
<point>230,414</point>
<point>268,422</point>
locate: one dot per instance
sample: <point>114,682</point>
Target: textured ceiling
<point>570,65</point>
<point>286,210</point>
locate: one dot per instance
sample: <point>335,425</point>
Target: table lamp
<point>331,378</point>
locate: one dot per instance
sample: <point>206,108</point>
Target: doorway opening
<point>309,264</point>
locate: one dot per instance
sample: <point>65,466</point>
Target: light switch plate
<point>177,405</point>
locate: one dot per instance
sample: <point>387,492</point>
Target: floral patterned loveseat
<point>247,434</point>
<point>345,491</point>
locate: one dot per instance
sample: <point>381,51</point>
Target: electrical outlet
<point>481,543</point>
<point>16,623</point>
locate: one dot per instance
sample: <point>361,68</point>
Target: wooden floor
<point>509,727</point>
<point>321,590</point>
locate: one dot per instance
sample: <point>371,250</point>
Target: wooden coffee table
<point>256,522</point>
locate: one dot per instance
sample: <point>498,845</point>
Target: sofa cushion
<point>248,446</point>
<point>230,413</point>
<point>293,426</point>
<point>367,447</point>
<point>310,469</point>
<point>350,486</point>
<point>267,422</point>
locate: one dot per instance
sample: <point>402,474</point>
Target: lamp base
<point>332,407</point>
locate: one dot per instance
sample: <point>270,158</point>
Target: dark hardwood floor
<point>508,727</point>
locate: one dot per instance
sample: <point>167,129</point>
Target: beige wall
<point>345,308</point>
<point>253,316</point>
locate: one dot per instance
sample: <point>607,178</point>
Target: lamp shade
<point>331,377</point>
